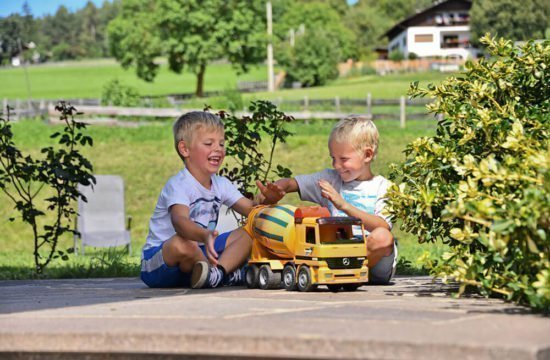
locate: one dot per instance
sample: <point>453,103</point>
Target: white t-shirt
<point>368,196</point>
<point>204,204</point>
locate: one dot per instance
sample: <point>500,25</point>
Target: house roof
<point>421,16</point>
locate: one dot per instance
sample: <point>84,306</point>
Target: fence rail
<point>301,109</point>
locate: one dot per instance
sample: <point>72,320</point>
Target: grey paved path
<point>121,318</point>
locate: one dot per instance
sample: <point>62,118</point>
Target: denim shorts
<point>156,274</point>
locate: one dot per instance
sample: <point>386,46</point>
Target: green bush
<point>481,184</point>
<point>396,55</point>
<point>117,94</point>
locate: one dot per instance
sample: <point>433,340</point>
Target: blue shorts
<point>156,274</point>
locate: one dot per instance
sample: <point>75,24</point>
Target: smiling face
<point>350,163</point>
<point>205,153</point>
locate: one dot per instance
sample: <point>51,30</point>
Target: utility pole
<point>270,80</point>
<point>27,80</point>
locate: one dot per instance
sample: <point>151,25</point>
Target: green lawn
<point>145,158</point>
<point>86,80</point>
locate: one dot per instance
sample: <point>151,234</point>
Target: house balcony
<point>455,44</point>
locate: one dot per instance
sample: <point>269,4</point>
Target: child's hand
<point>271,193</point>
<point>328,192</point>
<point>211,253</point>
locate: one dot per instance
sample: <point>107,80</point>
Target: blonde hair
<point>358,130</point>
<point>189,123</point>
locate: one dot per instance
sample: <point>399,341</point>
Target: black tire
<point>351,287</point>
<point>304,279</point>
<point>289,277</point>
<point>251,276</point>
<point>268,279</point>
<point>334,287</point>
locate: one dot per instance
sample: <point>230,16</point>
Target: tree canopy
<point>190,34</point>
<point>514,20</point>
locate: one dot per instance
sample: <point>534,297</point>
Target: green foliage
<point>515,20</point>
<point>481,184</point>
<point>23,179</point>
<point>117,94</point>
<point>396,55</point>
<point>188,33</point>
<point>244,137</point>
<point>310,20</point>
<point>313,60</point>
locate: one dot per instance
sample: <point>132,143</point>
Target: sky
<point>40,8</point>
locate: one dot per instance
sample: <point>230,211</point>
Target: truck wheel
<point>334,287</point>
<point>304,279</point>
<point>289,277</point>
<point>267,279</point>
<point>251,276</point>
<point>351,287</point>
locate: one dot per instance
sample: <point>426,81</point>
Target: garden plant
<point>44,191</point>
<point>480,185</point>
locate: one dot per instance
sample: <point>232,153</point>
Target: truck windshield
<point>331,234</point>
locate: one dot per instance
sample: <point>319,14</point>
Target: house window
<point>423,38</point>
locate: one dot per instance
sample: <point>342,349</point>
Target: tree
<point>188,33</point>
<point>312,61</point>
<point>515,20</point>
<point>368,24</point>
<point>316,17</point>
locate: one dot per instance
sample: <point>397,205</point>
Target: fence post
<point>17,108</point>
<point>337,103</point>
<point>402,112</point>
<point>5,106</point>
<point>369,105</point>
<point>306,103</point>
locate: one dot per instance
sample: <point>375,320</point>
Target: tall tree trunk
<point>200,81</point>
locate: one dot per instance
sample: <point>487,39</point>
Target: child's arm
<point>270,193</point>
<point>187,229</point>
<point>370,222</point>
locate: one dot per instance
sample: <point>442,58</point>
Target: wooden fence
<point>304,109</point>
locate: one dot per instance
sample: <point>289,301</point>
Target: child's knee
<point>380,238</point>
<point>179,247</point>
<point>240,236</point>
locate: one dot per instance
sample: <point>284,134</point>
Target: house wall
<point>410,41</point>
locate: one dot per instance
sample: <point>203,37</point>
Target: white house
<point>442,30</point>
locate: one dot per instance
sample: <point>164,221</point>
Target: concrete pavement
<point>122,319</point>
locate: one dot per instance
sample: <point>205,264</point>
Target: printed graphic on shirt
<point>366,203</point>
<point>205,212</point>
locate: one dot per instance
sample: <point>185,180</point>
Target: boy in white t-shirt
<point>351,189</point>
<point>183,247</point>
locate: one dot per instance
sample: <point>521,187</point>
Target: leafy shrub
<point>396,55</point>
<point>243,139</point>
<point>44,190</point>
<point>481,184</point>
<point>117,94</point>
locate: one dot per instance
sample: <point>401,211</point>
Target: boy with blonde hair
<point>183,247</point>
<point>351,189</point>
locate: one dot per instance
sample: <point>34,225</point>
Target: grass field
<point>145,158</point>
<point>86,79</point>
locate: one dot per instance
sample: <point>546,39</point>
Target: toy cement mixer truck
<point>300,248</point>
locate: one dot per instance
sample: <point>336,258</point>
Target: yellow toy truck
<point>302,247</point>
